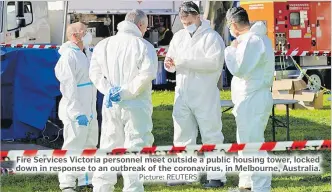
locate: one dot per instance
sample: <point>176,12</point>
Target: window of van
<point>11,16</point>
<point>28,12</point>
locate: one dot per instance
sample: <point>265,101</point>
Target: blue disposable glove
<point>108,103</point>
<point>113,96</point>
<point>82,120</point>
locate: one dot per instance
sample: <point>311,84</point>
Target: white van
<point>24,22</point>
<point>41,22</point>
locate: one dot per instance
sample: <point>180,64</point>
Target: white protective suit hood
<point>64,47</point>
<point>129,27</point>
<point>70,45</point>
<point>204,26</point>
<point>259,28</point>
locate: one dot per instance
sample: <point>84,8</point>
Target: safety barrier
<point>163,51</point>
<point>297,52</point>
<point>168,150</point>
<point>160,51</point>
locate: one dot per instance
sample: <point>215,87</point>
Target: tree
<point>215,12</point>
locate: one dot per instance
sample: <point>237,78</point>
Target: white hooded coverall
<point>129,61</point>
<point>78,98</point>
<point>198,63</point>
<point>252,66</point>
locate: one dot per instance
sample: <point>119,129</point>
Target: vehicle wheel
<point>315,82</point>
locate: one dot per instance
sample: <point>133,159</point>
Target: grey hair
<point>189,7</point>
<point>238,15</point>
<point>136,16</point>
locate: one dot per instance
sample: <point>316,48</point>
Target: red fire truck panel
<point>323,25</point>
<point>297,25</point>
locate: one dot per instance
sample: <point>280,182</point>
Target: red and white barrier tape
<point>30,46</point>
<point>303,53</point>
<point>162,51</point>
<point>166,150</point>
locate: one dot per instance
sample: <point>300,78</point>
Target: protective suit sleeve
<point>242,60</point>
<point>65,71</point>
<point>147,72</point>
<point>212,61</point>
<point>171,52</point>
<point>95,71</point>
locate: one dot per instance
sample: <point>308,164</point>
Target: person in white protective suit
<point>196,53</point>
<point>77,108</point>
<point>250,59</point>
<point>122,68</point>
<point>86,179</point>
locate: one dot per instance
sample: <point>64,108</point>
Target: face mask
<point>87,39</point>
<point>232,33</point>
<point>191,28</point>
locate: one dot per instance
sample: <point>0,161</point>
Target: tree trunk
<point>215,12</point>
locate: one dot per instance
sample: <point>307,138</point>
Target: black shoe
<point>90,186</point>
<point>241,189</point>
<point>213,184</point>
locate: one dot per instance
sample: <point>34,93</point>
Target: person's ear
<point>78,36</point>
<point>140,25</point>
<point>73,36</point>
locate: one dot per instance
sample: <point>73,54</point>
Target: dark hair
<point>238,15</point>
<point>189,7</point>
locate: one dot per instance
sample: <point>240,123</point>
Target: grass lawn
<point>305,125</point>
